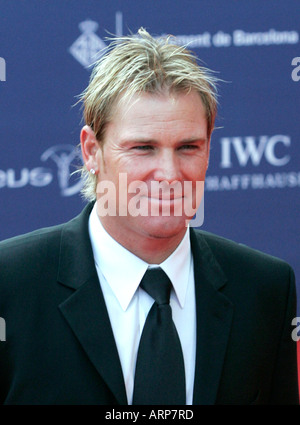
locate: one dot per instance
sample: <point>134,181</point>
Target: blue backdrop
<point>253,182</point>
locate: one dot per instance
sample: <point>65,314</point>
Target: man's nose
<point>167,167</point>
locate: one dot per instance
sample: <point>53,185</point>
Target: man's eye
<point>188,147</point>
<point>143,147</point>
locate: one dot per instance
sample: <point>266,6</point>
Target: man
<point>82,323</point>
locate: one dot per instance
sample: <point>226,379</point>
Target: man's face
<point>153,139</point>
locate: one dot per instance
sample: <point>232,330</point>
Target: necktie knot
<point>157,284</point>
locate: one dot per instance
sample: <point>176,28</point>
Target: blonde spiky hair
<point>136,64</point>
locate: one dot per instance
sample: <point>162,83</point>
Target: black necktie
<point>159,374</point>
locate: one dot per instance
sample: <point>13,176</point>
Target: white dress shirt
<point>120,273</point>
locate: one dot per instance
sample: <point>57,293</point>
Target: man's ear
<point>89,147</point>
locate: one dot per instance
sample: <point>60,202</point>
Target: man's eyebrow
<point>193,140</point>
<point>150,141</point>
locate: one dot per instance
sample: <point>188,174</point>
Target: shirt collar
<point>177,266</point>
<point>123,270</point>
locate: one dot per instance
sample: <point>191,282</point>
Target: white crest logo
<point>63,155</point>
<point>88,48</point>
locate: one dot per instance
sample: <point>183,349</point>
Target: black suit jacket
<point>60,348</point>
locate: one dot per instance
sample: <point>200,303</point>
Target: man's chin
<point>164,227</point>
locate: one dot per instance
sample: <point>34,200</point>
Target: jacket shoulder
<point>38,252</point>
<point>31,240</point>
<point>28,254</point>
<point>237,256</point>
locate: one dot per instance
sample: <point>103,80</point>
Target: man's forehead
<point>148,102</point>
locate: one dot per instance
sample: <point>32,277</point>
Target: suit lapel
<point>86,313</point>
<point>214,316</point>
<point>85,310</point>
